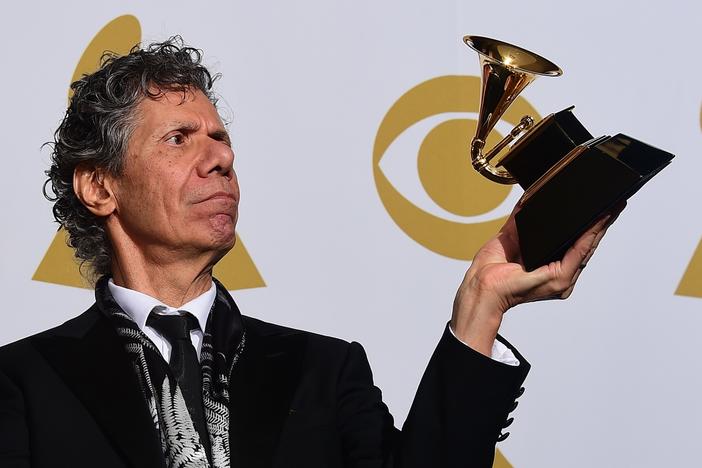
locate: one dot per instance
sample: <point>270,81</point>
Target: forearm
<point>460,408</point>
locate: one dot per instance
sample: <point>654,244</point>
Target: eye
<point>176,139</point>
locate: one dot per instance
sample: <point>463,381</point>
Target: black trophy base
<point>597,176</point>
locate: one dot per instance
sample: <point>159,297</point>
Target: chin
<point>223,239</point>
<point>223,227</point>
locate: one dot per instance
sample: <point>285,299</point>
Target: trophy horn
<point>506,71</point>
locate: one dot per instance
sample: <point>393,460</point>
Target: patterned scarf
<point>223,344</point>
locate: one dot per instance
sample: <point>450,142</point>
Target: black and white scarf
<point>223,343</point>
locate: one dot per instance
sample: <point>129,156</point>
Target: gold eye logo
<point>236,270</point>
<point>443,167</point>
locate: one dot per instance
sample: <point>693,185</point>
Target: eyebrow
<point>177,125</point>
<point>221,135</point>
<point>189,126</point>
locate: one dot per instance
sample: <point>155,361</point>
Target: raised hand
<point>497,281</point>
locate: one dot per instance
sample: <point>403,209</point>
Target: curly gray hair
<point>98,125</point>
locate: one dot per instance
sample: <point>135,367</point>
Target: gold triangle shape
<point>500,461</point>
<point>691,282</point>
<point>118,36</point>
<point>59,266</point>
<point>236,270</point>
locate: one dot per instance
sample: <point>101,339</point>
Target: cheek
<point>149,190</point>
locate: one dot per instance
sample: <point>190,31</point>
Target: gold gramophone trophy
<point>570,178</point>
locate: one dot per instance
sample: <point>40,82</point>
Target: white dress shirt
<point>139,305</point>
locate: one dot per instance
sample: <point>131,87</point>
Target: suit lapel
<point>88,355</point>
<point>261,389</point>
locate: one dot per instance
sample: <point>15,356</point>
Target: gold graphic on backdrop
<point>236,270</point>
<point>500,461</point>
<point>118,36</point>
<point>444,168</point>
<point>59,265</point>
<point>691,282</point>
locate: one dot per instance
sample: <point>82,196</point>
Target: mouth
<point>227,196</point>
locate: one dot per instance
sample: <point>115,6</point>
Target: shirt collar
<point>139,305</point>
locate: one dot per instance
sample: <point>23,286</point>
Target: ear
<point>94,189</point>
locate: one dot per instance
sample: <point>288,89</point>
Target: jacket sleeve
<point>460,408</point>
<point>14,436</point>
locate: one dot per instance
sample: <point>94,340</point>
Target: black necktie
<point>184,363</point>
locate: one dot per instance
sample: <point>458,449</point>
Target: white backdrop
<point>615,379</point>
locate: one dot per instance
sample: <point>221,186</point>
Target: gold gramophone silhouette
<point>570,178</point>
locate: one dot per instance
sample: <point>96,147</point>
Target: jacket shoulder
<point>75,327</point>
<point>316,345</point>
<point>266,329</point>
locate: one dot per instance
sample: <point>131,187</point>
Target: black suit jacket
<point>69,398</point>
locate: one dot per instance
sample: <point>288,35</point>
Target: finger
<point>558,279</point>
<point>600,229</point>
<point>546,282</point>
<point>577,274</point>
<point>616,211</point>
<point>582,249</point>
<point>566,294</point>
<point>509,238</point>
<point>614,214</point>
<point>510,226</point>
<point>594,245</point>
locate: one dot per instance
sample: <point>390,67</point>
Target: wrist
<point>477,316</point>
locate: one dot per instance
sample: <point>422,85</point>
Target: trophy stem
<point>506,71</point>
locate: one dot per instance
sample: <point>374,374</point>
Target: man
<point>164,371</point>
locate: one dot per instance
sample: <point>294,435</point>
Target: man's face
<point>178,192</point>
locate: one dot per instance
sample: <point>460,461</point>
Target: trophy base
<point>568,199</point>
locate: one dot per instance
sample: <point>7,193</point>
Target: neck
<point>172,286</point>
<point>166,276</point>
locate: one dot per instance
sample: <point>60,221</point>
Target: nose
<point>218,158</point>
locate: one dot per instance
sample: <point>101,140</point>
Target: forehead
<point>187,107</point>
